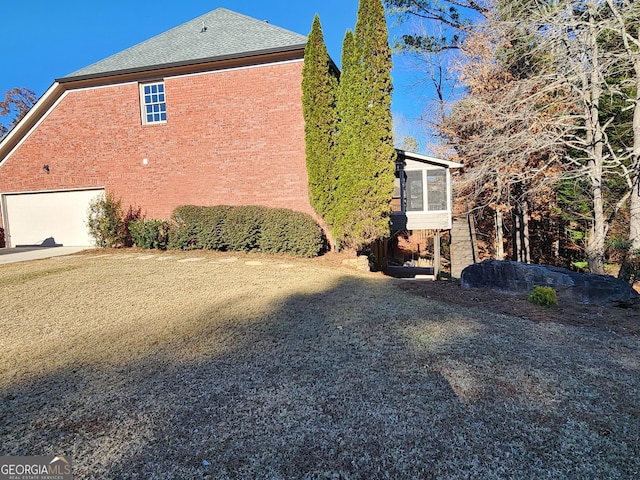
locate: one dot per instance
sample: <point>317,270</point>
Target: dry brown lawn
<point>209,365</point>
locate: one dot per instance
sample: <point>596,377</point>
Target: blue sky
<point>43,40</point>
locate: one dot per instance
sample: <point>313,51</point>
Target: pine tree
<point>319,85</point>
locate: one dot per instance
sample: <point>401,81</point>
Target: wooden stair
<point>463,244</point>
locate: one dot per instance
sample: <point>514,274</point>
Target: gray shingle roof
<point>227,35</point>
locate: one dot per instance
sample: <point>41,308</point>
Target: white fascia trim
<point>30,113</point>
<point>429,159</point>
<point>33,112</point>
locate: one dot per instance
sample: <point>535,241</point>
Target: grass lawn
<point>210,365</point>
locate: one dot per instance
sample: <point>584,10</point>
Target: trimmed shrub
<point>545,296</point>
<point>245,228</point>
<point>2,243</point>
<point>213,230</point>
<point>185,234</point>
<point>286,231</point>
<point>198,228</point>
<point>150,233</point>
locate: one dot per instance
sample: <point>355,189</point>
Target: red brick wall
<point>232,137</point>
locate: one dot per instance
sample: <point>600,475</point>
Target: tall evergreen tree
<point>319,89</point>
<point>348,146</point>
<point>367,155</point>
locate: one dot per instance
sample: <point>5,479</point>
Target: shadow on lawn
<point>351,383</point>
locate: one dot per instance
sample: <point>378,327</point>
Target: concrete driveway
<point>23,254</point>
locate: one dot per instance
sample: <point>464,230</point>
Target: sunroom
<point>422,194</point>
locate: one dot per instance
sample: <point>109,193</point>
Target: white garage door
<point>34,217</point>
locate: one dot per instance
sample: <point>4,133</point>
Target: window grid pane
<point>437,190</point>
<point>154,106</point>
<point>414,191</point>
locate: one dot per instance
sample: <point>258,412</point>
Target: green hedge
<point>198,228</point>
<point>245,228</point>
<point>150,233</point>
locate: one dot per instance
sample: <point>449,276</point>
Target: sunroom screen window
<point>414,191</point>
<point>154,106</point>
<point>436,190</point>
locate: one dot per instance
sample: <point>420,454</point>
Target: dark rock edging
<point>516,277</point>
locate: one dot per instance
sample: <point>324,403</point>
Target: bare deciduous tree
<point>536,105</point>
<point>14,107</point>
<point>509,147</point>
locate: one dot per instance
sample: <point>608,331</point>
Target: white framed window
<point>430,199</point>
<point>414,190</point>
<point>153,103</point>
<point>437,189</point>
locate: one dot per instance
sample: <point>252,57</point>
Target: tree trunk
<point>521,234</point>
<point>630,268</point>
<point>526,251</point>
<point>516,225</point>
<point>630,35</point>
<point>634,202</point>
<point>595,138</point>
<point>634,215</point>
<point>595,242</point>
<point>499,236</point>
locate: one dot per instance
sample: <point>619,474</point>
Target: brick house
<point>206,113</point>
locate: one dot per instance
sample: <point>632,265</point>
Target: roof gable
<point>218,34</point>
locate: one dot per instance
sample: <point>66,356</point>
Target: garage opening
<point>58,218</point>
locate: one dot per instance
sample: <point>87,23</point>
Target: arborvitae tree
<point>367,155</point>
<point>348,146</point>
<point>319,88</point>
